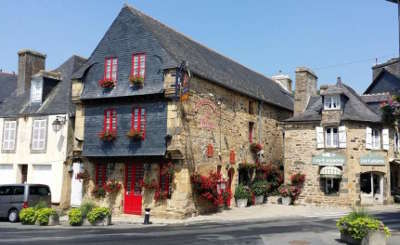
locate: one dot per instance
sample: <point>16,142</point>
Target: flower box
<point>107,83</point>
<point>108,135</point>
<point>103,222</point>
<point>241,203</point>
<point>259,200</point>
<point>136,81</point>
<point>286,201</point>
<point>135,134</point>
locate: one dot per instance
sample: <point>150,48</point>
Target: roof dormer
<point>42,84</point>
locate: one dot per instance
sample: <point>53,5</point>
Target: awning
<point>330,172</point>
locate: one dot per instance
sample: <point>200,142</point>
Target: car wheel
<point>13,215</point>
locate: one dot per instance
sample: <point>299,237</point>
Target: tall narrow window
<point>9,135</point>
<point>138,65</point>
<point>110,120</point>
<point>251,131</point>
<point>102,173</point>
<point>36,91</point>
<point>376,139</point>
<point>39,134</point>
<point>331,137</point>
<point>138,123</point>
<point>110,69</point>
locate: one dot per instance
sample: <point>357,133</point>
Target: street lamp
<point>58,123</point>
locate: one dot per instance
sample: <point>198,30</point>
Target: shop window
<point>365,183</point>
<point>330,185</point>
<point>102,174</point>
<point>331,138</point>
<point>332,102</point>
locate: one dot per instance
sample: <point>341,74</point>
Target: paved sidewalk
<point>260,212</point>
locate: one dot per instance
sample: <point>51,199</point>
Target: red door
<point>133,189</point>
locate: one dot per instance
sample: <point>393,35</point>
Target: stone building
<point>337,139</point>
<point>198,111</point>
<point>36,121</point>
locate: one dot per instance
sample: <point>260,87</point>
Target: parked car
<point>15,197</point>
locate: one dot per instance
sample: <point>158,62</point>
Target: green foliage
<point>98,213</point>
<point>242,192</point>
<point>28,216</point>
<point>40,205</point>
<point>259,188</point>
<point>358,223</point>
<point>44,214</point>
<point>75,217</point>
<point>86,207</point>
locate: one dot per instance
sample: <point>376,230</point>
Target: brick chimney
<point>306,86</point>
<point>284,81</point>
<point>29,63</point>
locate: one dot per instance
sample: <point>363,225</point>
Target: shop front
<point>372,179</point>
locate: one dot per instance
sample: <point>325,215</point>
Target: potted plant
<point>108,135</point>
<point>112,187</point>
<point>284,191</point>
<point>298,179</point>
<point>135,134</point>
<point>99,216</point>
<point>47,217</point>
<point>28,216</point>
<point>358,226</point>
<point>136,81</point>
<point>242,194</point>
<point>107,83</point>
<point>75,217</point>
<point>258,188</point>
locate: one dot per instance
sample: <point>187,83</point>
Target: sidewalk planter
<point>286,201</point>
<point>358,227</point>
<point>47,217</point>
<point>99,216</point>
<point>75,217</point>
<point>241,203</point>
<point>259,200</point>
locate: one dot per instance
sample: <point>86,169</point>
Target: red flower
<point>107,83</point>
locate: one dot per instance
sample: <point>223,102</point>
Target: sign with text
<point>329,159</point>
<point>372,159</point>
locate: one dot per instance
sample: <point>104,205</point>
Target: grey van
<point>15,197</point>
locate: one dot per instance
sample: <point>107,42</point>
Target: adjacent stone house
<point>337,139</point>
<point>36,123</point>
<point>192,108</point>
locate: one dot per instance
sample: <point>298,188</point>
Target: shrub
<point>206,187</point>
<point>75,217</point>
<point>298,179</point>
<point>242,192</point>
<point>259,188</point>
<point>40,205</point>
<point>98,213</point>
<point>44,214</point>
<point>357,224</point>
<point>86,207</point>
<point>28,216</point>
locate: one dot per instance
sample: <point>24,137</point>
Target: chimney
<point>29,63</point>
<point>284,81</point>
<point>306,86</point>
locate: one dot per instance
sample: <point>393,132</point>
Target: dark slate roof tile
<point>8,85</point>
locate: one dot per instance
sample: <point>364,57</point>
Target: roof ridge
<point>130,7</point>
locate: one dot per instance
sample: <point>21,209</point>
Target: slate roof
<point>354,109</point>
<point>210,65</point>
<point>8,85</point>
<point>58,100</point>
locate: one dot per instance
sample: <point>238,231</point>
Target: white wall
<point>55,155</point>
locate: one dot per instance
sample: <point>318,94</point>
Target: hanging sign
<point>329,159</point>
<point>372,159</point>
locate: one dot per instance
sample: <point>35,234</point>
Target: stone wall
<point>300,147</point>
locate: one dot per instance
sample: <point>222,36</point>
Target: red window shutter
<point>232,157</point>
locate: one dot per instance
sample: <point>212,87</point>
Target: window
<point>332,102</point>
<point>165,180</point>
<point>251,129</point>
<point>375,139</point>
<point>251,107</point>
<point>110,120</point>
<point>138,65</point>
<point>331,137</point>
<point>330,185</point>
<point>6,191</point>
<point>139,120</point>
<point>36,91</point>
<point>9,135</point>
<point>102,173</point>
<point>110,69</point>
<point>39,190</point>
<point>19,190</point>
<point>39,134</point>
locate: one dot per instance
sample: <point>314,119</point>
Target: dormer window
<point>36,91</point>
<point>332,102</point>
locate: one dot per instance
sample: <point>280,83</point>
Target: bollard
<point>147,216</point>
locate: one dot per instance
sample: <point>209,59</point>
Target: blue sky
<point>334,38</point>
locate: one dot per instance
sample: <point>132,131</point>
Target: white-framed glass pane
<point>142,119</point>
<point>36,91</point>
<point>39,134</point>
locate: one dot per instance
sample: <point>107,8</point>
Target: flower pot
<point>374,238</point>
<point>103,222</point>
<point>54,220</point>
<point>286,201</point>
<point>241,203</point>
<point>348,239</point>
<point>259,200</point>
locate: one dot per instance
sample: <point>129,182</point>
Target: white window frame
<point>36,91</point>
<point>332,102</point>
<point>331,140</point>
<point>9,135</point>
<point>375,139</point>
<point>396,142</point>
<point>39,135</point>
